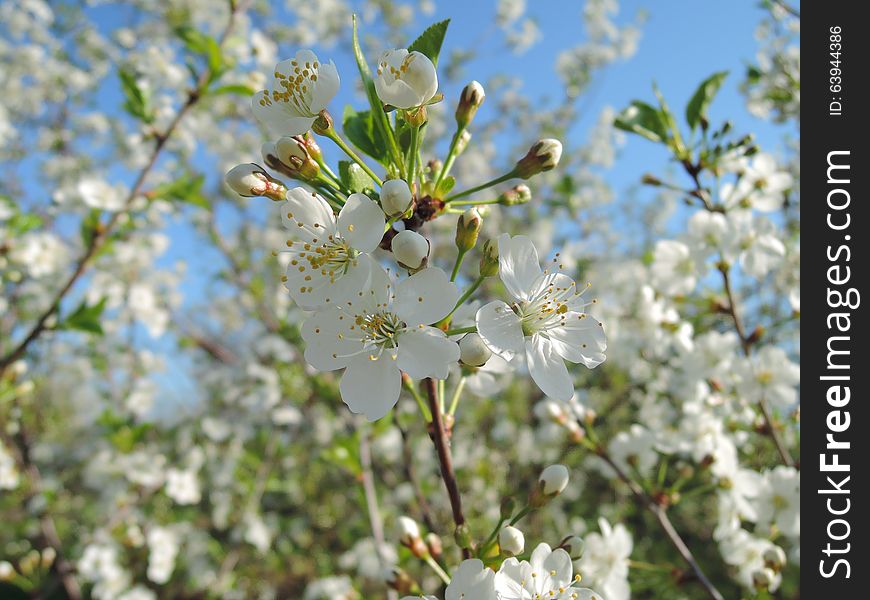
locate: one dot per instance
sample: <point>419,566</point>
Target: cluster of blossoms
<point>367,320</point>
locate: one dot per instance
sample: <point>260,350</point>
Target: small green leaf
<point>239,89</point>
<point>644,120</point>
<point>23,222</point>
<point>89,224</point>
<point>696,109</point>
<point>360,129</point>
<point>430,41</point>
<point>137,101</point>
<point>354,178</point>
<point>445,186</point>
<point>85,318</point>
<point>187,188</point>
<point>205,46</point>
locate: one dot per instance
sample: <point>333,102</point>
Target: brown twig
<point>661,516</point>
<point>445,459</point>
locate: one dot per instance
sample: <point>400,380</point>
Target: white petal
<point>329,342</point>
<point>513,577</point>
<point>500,328</point>
<point>426,352</point>
<point>277,117</point>
<point>548,369</point>
<point>327,86</point>
<point>371,385</point>
<point>361,222</point>
<point>426,297</point>
<point>581,340</point>
<point>322,292</point>
<point>519,268</point>
<point>306,215</point>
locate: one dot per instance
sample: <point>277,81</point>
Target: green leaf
<point>644,120</point>
<point>696,109</point>
<point>379,117</point>
<point>137,101</point>
<point>429,43</point>
<point>89,224</point>
<point>445,186</point>
<point>205,46</point>
<point>23,222</point>
<point>239,89</point>
<point>360,129</point>
<point>187,188</point>
<point>85,318</point>
<point>354,178</point>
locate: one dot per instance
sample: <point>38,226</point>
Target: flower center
<point>296,87</point>
<point>547,307</point>
<point>330,257</point>
<point>380,329</point>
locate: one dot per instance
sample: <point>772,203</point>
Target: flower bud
<point>434,544</point>
<point>511,541</point>
<point>409,536</point>
<point>395,197</point>
<point>763,578</point>
<point>462,535</point>
<point>312,147</point>
<point>467,228</point>
<point>472,351</point>
<point>7,571</point>
<point>543,156</point>
<point>550,410</point>
<point>469,101</point>
<point>519,194</point>
<point>410,249</point>
<point>553,480</point>
<point>292,152</point>
<point>462,142</point>
<point>774,558</point>
<point>251,180</point>
<point>489,260</point>
<point>574,546</point>
<point>399,580</point>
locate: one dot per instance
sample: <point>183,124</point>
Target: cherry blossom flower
<point>382,332</point>
<point>301,88</point>
<point>405,79</point>
<point>547,574</point>
<point>605,561</point>
<point>329,260</point>
<point>546,321</point>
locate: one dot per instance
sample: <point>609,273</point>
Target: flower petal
<point>361,222</point>
<point>425,297</point>
<point>306,215</point>
<point>548,369</point>
<point>327,86</point>
<point>371,385</point>
<point>329,342</point>
<point>580,339</point>
<point>519,268</point>
<point>278,117</point>
<point>426,352</point>
<point>312,290</point>
<point>500,328</point>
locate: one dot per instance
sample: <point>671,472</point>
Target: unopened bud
<point>312,147</point>
<point>410,249</point>
<point>7,571</point>
<point>649,179</point>
<point>462,535</point>
<point>489,260</point>
<point>574,546</point>
<point>473,351</point>
<point>409,536</point>
<point>550,410</point>
<point>511,541</point>
<point>292,153</point>
<point>434,544</point>
<point>470,100</point>
<point>774,558</point>
<point>519,194</point>
<point>395,197</point>
<point>553,480</point>
<point>399,580</point>
<point>763,578</point>
<point>467,229</point>
<point>543,156</point>
<point>251,180</point>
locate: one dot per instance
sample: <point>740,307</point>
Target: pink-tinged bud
<point>251,179</point>
<point>543,156</point>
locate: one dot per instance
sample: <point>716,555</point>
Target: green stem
<point>526,510</point>
<point>451,156</point>
<point>471,329</point>
<point>475,202</point>
<point>437,568</point>
<point>491,539</point>
<point>465,296</point>
<point>454,402</point>
<point>412,154</point>
<point>333,135</point>
<point>409,385</point>
<point>482,186</point>
<point>457,264</point>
